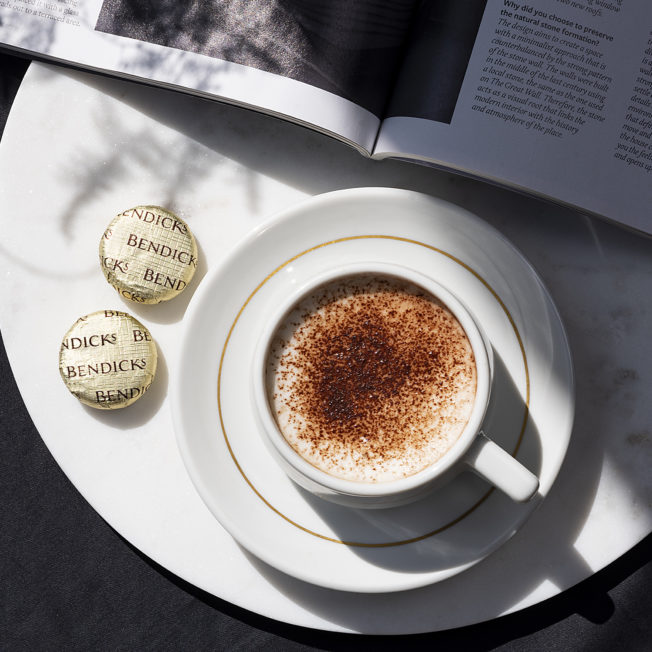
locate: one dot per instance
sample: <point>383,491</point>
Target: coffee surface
<point>371,379</point>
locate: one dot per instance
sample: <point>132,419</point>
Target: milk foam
<point>371,379</point>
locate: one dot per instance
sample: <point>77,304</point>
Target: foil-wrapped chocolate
<point>148,254</point>
<point>107,359</point>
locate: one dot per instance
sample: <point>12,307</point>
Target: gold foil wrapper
<point>107,359</point>
<point>148,254</point>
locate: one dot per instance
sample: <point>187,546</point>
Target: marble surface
<point>100,143</point>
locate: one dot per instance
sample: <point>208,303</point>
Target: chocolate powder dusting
<point>376,381</point>
<point>361,365</point>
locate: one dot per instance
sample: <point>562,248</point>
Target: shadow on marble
<point>451,546</point>
<point>262,144</point>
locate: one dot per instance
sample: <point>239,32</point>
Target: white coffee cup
<point>473,449</point>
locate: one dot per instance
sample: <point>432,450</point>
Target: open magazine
<point>552,97</point>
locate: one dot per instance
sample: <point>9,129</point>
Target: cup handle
<point>497,466</point>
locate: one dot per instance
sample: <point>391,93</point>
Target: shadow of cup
<point>433,533</point>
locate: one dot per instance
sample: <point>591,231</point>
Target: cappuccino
<point>370,378</point>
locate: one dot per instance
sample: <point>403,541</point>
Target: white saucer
<point>355,550</point>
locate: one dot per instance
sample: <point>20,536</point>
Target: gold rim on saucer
<point>521,432</point>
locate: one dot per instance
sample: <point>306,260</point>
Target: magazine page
<point>556,99</point>
<point>329,66</point>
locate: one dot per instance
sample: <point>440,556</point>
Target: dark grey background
<point>68,581</point>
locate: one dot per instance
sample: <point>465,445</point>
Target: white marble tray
<point>77,149</point>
